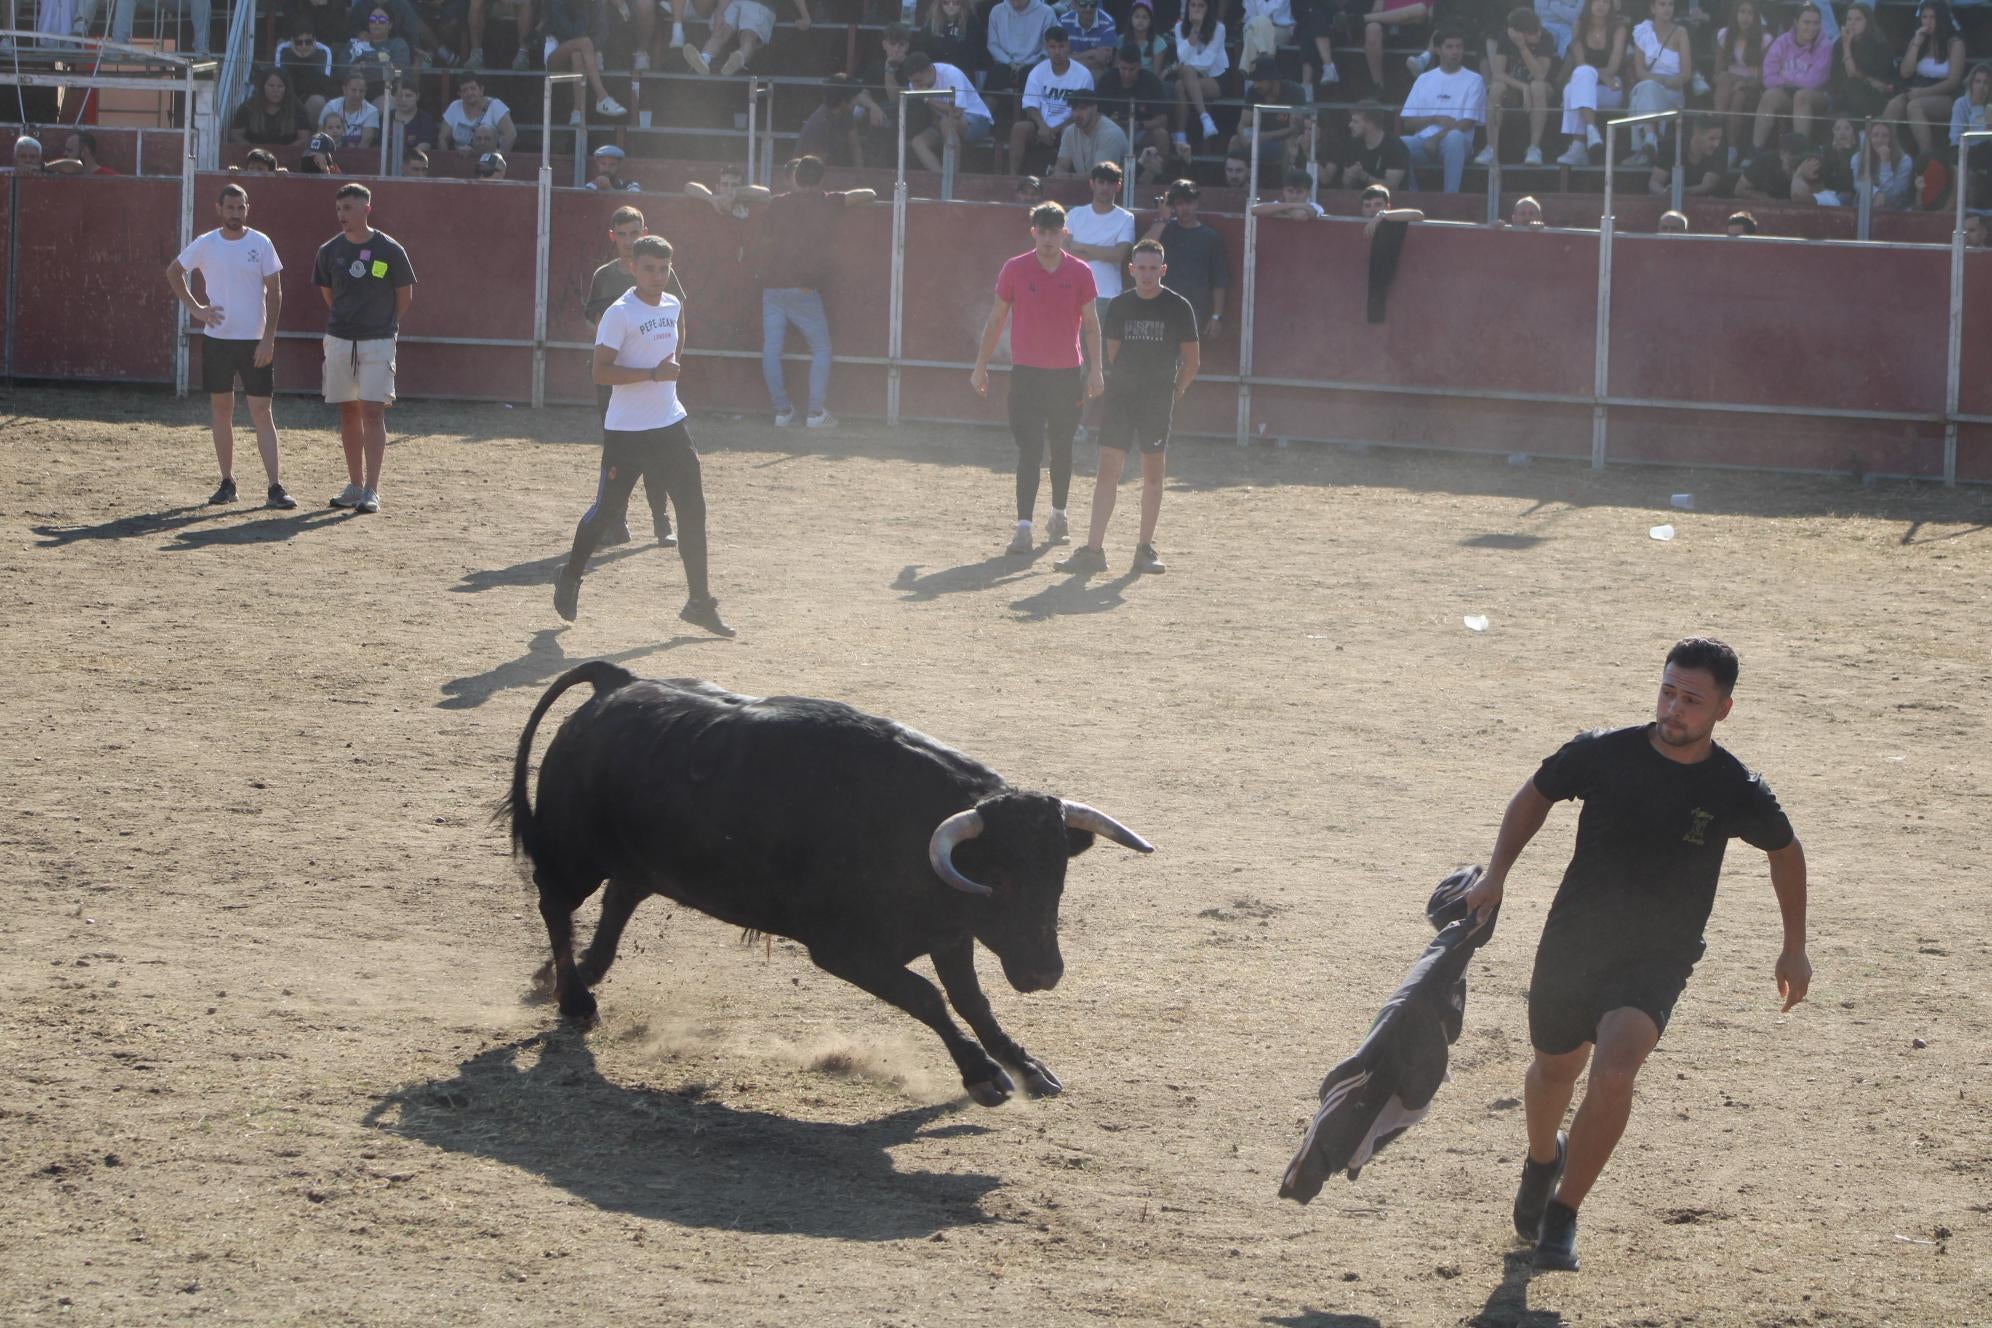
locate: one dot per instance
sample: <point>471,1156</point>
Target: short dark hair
<point>1147,247</point>
<point>1297,179</point>
<point>1707,653</point>
<point>651,246</point>
<point>837,89</point>
<point>623,214</point>
<point>1743,219</point>
<point>1182,189</point>
<point>1446,34</point>
<point>359,191</point>
<point>87,141</point>
<point>1265,69</point>
<point>1105,170</point>
<point>896,31</point>
<point>809,170</point>
<point>917,63</point>
<point>1078,99</point>
<point>232,191</point>
<point>1373,111</point>
<point>262,157</point>
<point>1047,217</point>
<point>416,154</point>
<point>1056,33</point>
<point>472,76</point>
<point>1030,184</point>
<point>1524,19</point>
<point>1374,191</point>
<point>1128,52</point>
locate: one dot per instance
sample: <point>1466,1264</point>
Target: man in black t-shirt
<point>610,282</point>
<point>1153,353</point>
<point>1661,801</point>
<point>368,284</point>
<point>1195,254</point>
<point>1374,155</point>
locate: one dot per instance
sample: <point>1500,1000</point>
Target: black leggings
<point>1044,406</point>
<point>664,460</point>
<point>660,510</point>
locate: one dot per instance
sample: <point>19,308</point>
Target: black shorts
<point>223,361</point>
<point>1139,419</point>
<point>1577,981</point>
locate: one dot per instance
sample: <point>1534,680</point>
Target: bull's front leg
<point>956,966</point>
<point>980,1074</point>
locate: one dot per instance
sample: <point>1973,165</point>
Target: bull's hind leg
<point>956,967</point>
<point>981,1076</point>
<point>618,902</point>
<point>557,904</point>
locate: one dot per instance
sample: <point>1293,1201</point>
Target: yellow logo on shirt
<point>380,267</point>
<point>1697,830</point>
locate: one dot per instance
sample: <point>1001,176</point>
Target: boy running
<point>612,279</point>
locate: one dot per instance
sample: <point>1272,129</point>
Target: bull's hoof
<point>992,1092</point>
<point>579,1003</point>
<point>1041,1082</point>
<point>543,980</point>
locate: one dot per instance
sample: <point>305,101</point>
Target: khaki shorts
<point>359,370</point>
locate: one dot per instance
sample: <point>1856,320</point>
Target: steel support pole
<point>1864,187</point>
<point>543,239</point>
<point>896,315</point>
<point>186,230</point>
<point>753,139</point>
<point>1679,192</point>
<point>1248,301</point>
<point>1954,362</point>
<point>1601,354</point>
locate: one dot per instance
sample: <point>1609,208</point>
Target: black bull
<point>868,843</point>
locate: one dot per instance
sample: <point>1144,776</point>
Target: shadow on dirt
<point>543,661</point>
<point>1322,1319</point>
<point>540,571</point>
<point>982,575</point>
<point>1075,595</point>
<point>541,1104</point>
<point>1508,1304</point>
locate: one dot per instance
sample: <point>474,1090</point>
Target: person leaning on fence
<point>491,166</point>
<point>1296,201</point>
<point>368,283</point>
<point>318,157</point>
<point>1527,214</point>
<point>1740,224</point>
<point>415,166</point>
<point>962,122</point>
<point>79,156</point>
<point>1673,223</point>
<point>801,232</point>
<point>605,171</point>
<point>260,162</point>
<point>1446,105</point>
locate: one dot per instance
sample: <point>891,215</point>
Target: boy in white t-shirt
<point>1446,106</point>
<point>1102,234</point>
<point>243,280</point>
<point>1044,110</point>
<point>643,434</point>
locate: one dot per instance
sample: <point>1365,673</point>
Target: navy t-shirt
<point>363,278</point>
<point>1650,839</point>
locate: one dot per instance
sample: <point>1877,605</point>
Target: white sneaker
<point>677,33</point>
<point>1575,155</point>
<point>1533,157</point>
<point>1209,126</point>
<point>640,62</point>
<point>349,496</point>
<point>1330,75</point>
<point>1058,529</point>
<point>522,61</point>
<point>1486,157</point>
<point>1021,541</point>
<point>821,419</point>
<point>734,63</point>
<point>474,59</point>
<point>784,418</point>
<point>1079,434</point>
<point>369,501</point>
<point>574,116</point>
<point>1592,138</point>
<point>610,107</point>
<point>695,58</point>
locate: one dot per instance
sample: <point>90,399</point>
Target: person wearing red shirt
<point>1051,295</point>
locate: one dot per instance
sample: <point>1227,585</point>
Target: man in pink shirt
<point>1051,294</point>
<point>1796,68</point>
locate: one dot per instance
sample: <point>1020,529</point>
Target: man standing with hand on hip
<point>1661,801</point>
<point>245,293</point>
<point>368,284</point>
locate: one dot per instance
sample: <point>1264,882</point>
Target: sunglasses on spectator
<point>376,18</point>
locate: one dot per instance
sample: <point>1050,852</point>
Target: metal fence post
<point>753,139</point>
<point>542,242</point>
<point>1601,355</point>
<point>1248,302</point>
<point>896,315</point>
<point>1864,187</point>
<point>1954,362</point>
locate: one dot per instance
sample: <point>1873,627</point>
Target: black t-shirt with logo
<point>363,278</point>
<point>1389,154</point>
<point>1151,334</point>
<point>1641,882</point>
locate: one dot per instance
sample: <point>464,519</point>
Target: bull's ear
<point>1077,841</point>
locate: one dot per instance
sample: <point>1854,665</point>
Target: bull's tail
<point>604,677</point>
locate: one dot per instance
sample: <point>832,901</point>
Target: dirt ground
<point>268,1057</point>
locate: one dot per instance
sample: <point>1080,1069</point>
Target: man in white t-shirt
<point>1444,109</point>
<point>644,434</point>
<point>965,122</point>
<point>1044,109</point>
<point>472,109</point>
<point>1102,234</point>
<point>244,284</point>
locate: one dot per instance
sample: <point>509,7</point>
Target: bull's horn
<point>1081,817</point>
<point>941,847</point>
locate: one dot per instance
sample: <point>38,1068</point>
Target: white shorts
<point>359,370</point>
<point>750,16</point>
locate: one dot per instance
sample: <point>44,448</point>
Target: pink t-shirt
<point>1045,309</point>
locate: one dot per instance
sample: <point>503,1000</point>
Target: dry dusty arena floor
<point>268,1056</point>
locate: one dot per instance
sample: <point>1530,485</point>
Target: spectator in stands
<point>491,166</point>
<point>1391,14</point>
<point>471,109</point>
<point>1770,175</point>
<point>523,10</point>
<point>1128,89</point>
<point>439,29</point>
<point>332,125</point>
<point>1592,80</point>
<point>1296,202</point>
<point>878,98</point>
<point>1703,162</point>
<point>1837,169</point>
<point>605,171</point>
<point>1194,254</point>
<point>79,157</point>
<point>831,131</point>
<point>1200,63</point>
<point>1444,108</point>
<point>731,198</point>
<point>260,162</point>
<point>1238,168</point>
<point>273,117</point>
<point>1046,107</point>
<point>1740,223</point>
<point>1520,69</point>
<point>1314,26</point>
<point>1864,78</point>
<point>1151,167</point>
<point>1796,70</point>
<point>1092,33</point>
<point>359,118</point>
<point>405,20</point>
<point>27,155</point>
<point>416,126</point>
<point>1739,61</point>
<point>1976,233</point>
<point>1374,155</point>
<point>1029,191</point>
<point>416,165</point>
<point>1969,113</point>
<point>1808,181</point>
<point>1267,26</point>
<point>684,11</point>
<point>1894,170</point>
<point>1283,135</point>
<point>801,225</point>
<point>1016,42</point>
<point>952,35</point>
<point>965,122</point>
<point>1527,214</point>
<point>381,54</point>
<point>1932,71</point>
<point>308,65</point>
<point>484,139</point>
<point>1673,223</point>
<point>1156,50</point>
<point>1662,68</point>
<point>1559,20</point>
<point>568,46</point>
<point>318,158</point>
<point>752,22</point>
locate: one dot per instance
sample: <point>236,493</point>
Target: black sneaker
<point>665,539</point>
<point>1538,1184</point>
<point>705,613</point>
<point>1082,560</point>
<point>224,494</point>
<point>620,535</point>
<point>1556,1248</point>
<point>567,596</point>
<point>1145,560</point>
<point>280,499</point>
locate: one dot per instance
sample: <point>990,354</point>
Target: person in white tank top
<point>1933,66</point>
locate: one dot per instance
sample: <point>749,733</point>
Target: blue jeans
<point>803,308</point>
<point>1454,146</point>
